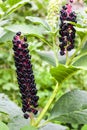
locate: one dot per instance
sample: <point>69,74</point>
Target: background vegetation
<point>16,15</point>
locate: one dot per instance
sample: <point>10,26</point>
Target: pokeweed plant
<point>68,31</point>
<point>62,26</point>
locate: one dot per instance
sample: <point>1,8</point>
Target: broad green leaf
<point>71,108</point>
<point>38,20</point>
<point>8,36</point>
<point>31,30</point>
<point>3,126</point>
<point>2,32</point>
<point>47,56</point>
<point>49,126</point>
<point>82,30</point>
<point>18,122</point>
<point>81,61</point>
<point>3,22</point>
<point>28,128</point>
<point>52,126</point>
<point>84,49</point>
<point>9,107</point>
<point>62,72</point>
<point>26,29</point>
<point>16,6</point>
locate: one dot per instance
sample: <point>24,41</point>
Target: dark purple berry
<point>34,111</point>
<point>25,45</point>
<point>61,46</point>
<point>69,48</point>
<point>25,74</point>
<point>24,110</point>
<point>64,14</point>
<point>29,110</point>
<point>60,32</point>
<point>25,39</point>
<point>64,7</point>
<point>64,27</point>
<point>33,91</point>
<point>72,46</point>
<point>18,33</point>
<point>67,30</point>
<point>35,98</point>
<point>73,19</point>
<point>26,116</point>
<point>72,14</point>
<point>71,1</point>
<point>35,105</point>
<point>64,43</point>
<point>18,41</point>
<point>69,19</point>
<point>62,53</point>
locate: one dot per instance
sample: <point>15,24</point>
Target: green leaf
<point>81,30</point>
<point>52,126</point>
<point>9,107</point>
<point>62,72</point>
<point>38,20</point>
<point>81,61</point>
<point>47,56</point>
<point>71,108</point>
<point>3,126</point>
<point>10,86</point>
<point>84,49</point>
<point>16,6</point>
<point>26,29</point>
<point>31,30</point>
<point>8,36</point>
<point>28,128</point>
<point>84,127</point>
<point>18,122</point>
<point>3,22</point>
<point>12,2</point>
<point>2,32</point>
<point>49,126</point>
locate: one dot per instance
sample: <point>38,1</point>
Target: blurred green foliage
<point>12,19</point>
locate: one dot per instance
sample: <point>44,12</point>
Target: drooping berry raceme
<point>67,30</point>
<point>25,75</point>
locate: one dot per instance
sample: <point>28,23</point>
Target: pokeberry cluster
<point>25,75</point>
<point>67,30</point>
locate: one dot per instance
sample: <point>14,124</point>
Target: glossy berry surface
<point>25,75</point>
<point>67,30</point>
<point>26,116</point>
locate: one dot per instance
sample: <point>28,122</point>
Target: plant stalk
<point>67,56</point>
<point>55,49</point>
<point>47,105</point>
